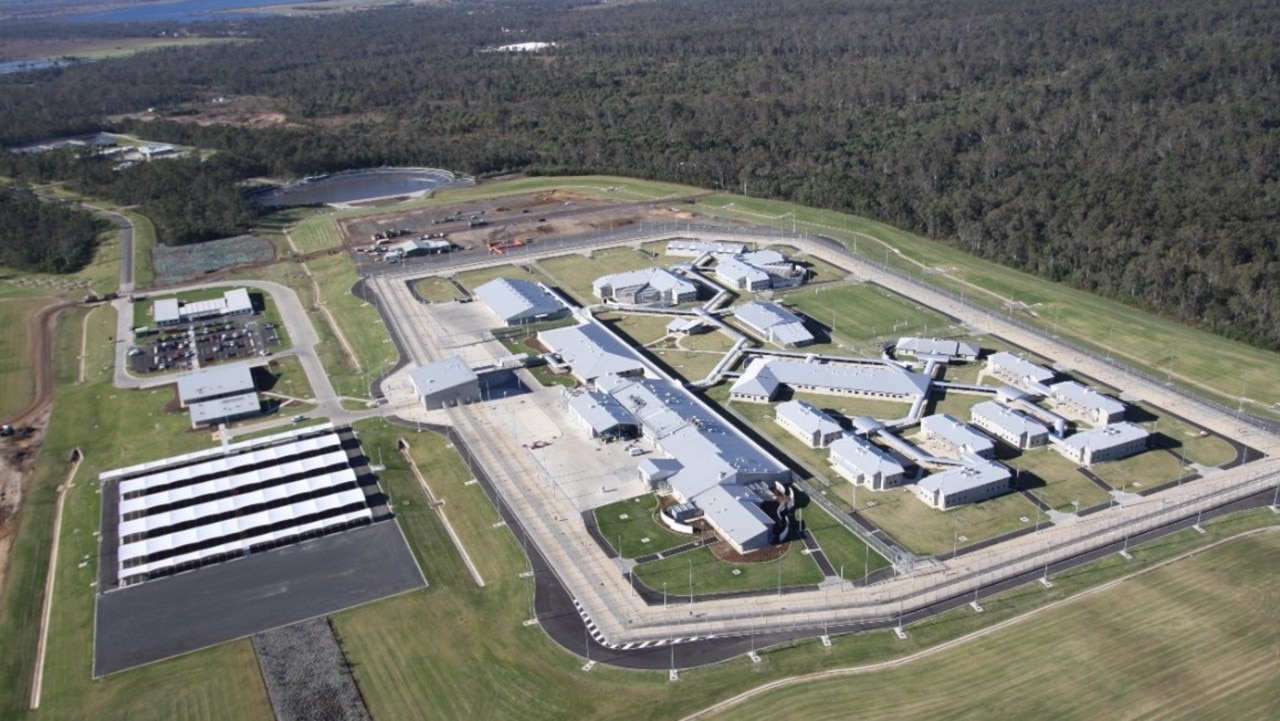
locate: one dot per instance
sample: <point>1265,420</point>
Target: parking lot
<point>190,346</point>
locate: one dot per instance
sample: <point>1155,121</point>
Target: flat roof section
<point>203,412</point>
<point>215,382</point>
<point>441,375</point>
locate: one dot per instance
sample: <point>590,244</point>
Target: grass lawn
<point>953,402</point>
<point>631,529</point>
<point>575,273</point>
<point>641,328</point>
<point>761,417</point>
<point>925,530</point>
<point>711,575</point>
<point>316,232</point>
<point>842,548</point>
<point>1187,641</point>
<point>15,366</point>
<point>144,243</point>
<point>1144,470</point>
<point>1182,437</point>
<point>436,290</point>
<point>863,313</point>
<point>360,325</point>
<point>690,365</point>
<point>712,342</point>
<point>965,372</point>
<point>473,279</point>
<point>1055,480</point>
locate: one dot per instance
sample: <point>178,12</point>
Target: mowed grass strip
<point>358,322</point>
<point>1193,640</point>
<point>318,232</point>
<point>925,530</point>
<point>712,575</point>
<point>16,389</point>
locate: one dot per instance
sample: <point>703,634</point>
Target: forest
<point>1131,149</point>
<point>46,237</point>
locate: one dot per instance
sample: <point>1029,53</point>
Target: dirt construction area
<point>529,218</point>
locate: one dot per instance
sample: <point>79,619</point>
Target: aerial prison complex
<point>724,477</point>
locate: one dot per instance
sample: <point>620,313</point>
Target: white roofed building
<point>449,382</point>
<point>741,276</point>
<point>1008,425</point>
<point>225,410</point>
<point>1105,443</point>
<point>1018,371</point>
<point>590,351</point>
<point>977,481</point>
<point>939,348</point>
<point>654,287</point>
<point>602,415</point>
<point>695,248</point>
<point>213,383</point>
<point>774,323</point>
<point>1084,402</point>
<point>809,424</point>
<point>764,378</point>
<point>173,311</point>
<point>955,436</point>
<point>516,301</point>
<point>863,463</point>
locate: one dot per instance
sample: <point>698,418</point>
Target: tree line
<point>45,237</point>
<point>1130,149</point>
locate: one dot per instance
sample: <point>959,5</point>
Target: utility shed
<point>449,382</point>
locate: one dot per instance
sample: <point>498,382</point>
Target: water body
<point>182,11</point>
<point>355,187</point>
<point>23,66</point>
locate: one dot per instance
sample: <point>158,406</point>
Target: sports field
<point>1194,640</point>
<point>576,273</point>
<point>861,313</point>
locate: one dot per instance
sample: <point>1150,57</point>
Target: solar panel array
<point>198,511</point>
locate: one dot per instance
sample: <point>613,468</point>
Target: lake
<point>357,186</point>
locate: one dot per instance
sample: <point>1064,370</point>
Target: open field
<point>925,530</point>
<point>46,48</point>
<point>1182,438</point>
<point>845,551</point>
<point>711,575</point>
<point>16,389</point>
<point>359,323</point>
<point>315,232</point>
<point>1186,641</point>
<point>863,313</point>
<point>637,533</point>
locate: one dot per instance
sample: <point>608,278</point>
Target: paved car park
<point>191,345</point>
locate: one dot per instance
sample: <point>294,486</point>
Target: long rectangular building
<point>863,463</point>
<point>1009,425</point>
<point>956,436</point>
<point>1085,402</point>
<point>1106,443</point>
<point>977,481</point>
<point>764,378</point>
<point>189,511</point>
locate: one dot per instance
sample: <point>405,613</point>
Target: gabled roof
<point>1098,439</point>
<point>1087,397</point>
<point>807,417</point>
<point>771,319</point>
<point>739,271</point>
<point>1021,367</point>
<point>863,456</point>
<point>1007,419</point>
<point>976,474</point>
<point>601,411</point>
<point>591,351</point>
<point>958,434</point>
<point>515,298</point>
<point>764,375</point>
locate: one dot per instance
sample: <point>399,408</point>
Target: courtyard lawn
<point>1055,480</point>
<point>925,530</point>
<point>955,403</point>
<point>711,575</point>
<point>1145,470</point>
<point>436,290</point>
<point>690,365</point>
<point>1182,438</point>
<point>844,550</point>
<point>641,328</point>
<point>630,528</point>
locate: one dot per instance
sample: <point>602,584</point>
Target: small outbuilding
<point>449,382</point>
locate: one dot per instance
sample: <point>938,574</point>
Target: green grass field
<point>1191,641</point>
<point>1145,470</point>
<point>862,313</point>
<point>436,290</point>
<point>15,366</point>
<point>925,530</point>
<point>711,575</point>
<point>316,232</point>
<point>630,528</point>
<point>360,325</point>
<point>1055,480</point>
